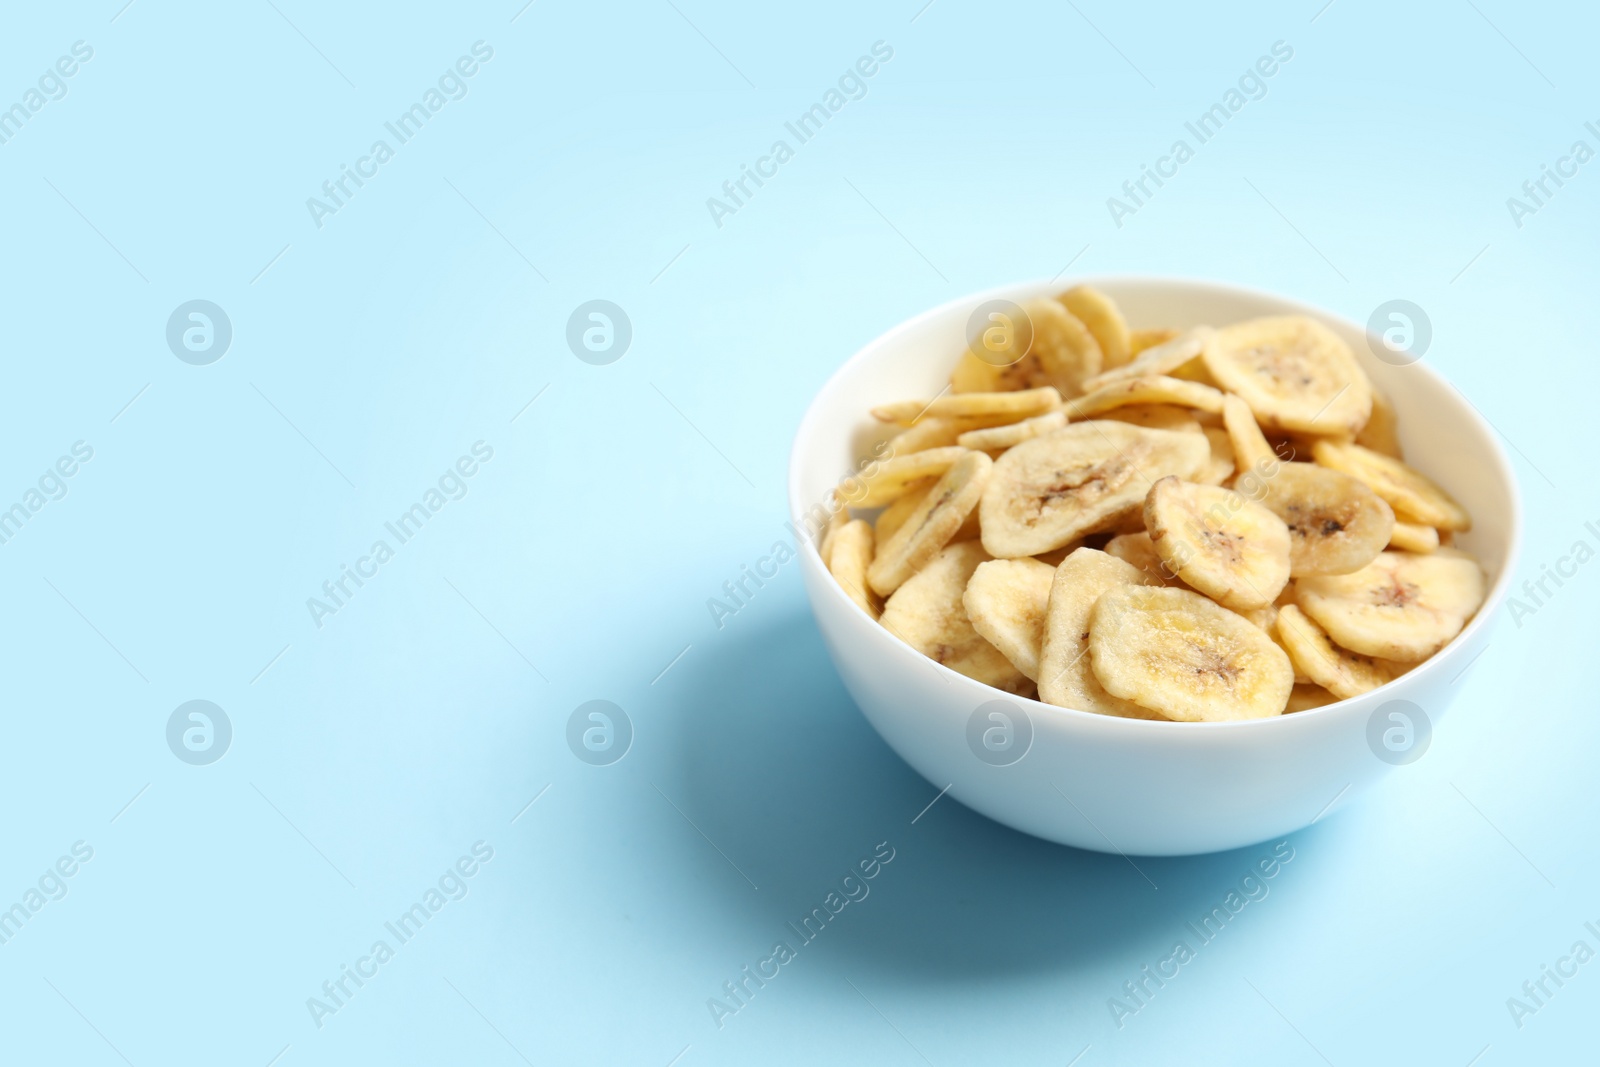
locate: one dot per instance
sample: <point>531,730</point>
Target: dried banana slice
<point>1232,549</point>
<point>1135,548</point>
<point>1017,405</point>
<point>1064,350</point>
<point>1400,606</point>
<point>1003,437</point>
<point>1336,524</point>
<point>895,515</point>
<point>1382,431</point>
<point>932,524</point>
<point>1414,496</point>
<point>839,515</point>
<point>1164,357</point>
<point>1221,466</point>
<point>1099,313</point>
<point>928,433</point>
<point>1410,537</point>
<point>926,613</point>
<point>1308,695</point>
<point>1339,671</point>
<point>1156,417</point>
<point>1294,372</point>
<point>852,554</point>
<point>1065,676</point>
<point>1177,653</point>
<point>1250,447</point>
<point>894,477</point>
<point>1139,340</point>
<point>1048,492</point>
<point>1006,601</point>
<point>1150,389</point>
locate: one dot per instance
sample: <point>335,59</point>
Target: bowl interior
<point>1442,434</point>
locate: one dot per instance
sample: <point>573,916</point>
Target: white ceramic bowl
<point>1125,785</point>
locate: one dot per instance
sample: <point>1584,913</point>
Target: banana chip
<point>927,613</point>
<point>1150,389</point>
<point>1155,417</point>
<point>895,515</point>
<point>1051,490</point>
<point>1250,447</point>
<point>1409,537</point>
<point>852,553</point>
<point>1016,405</point>
<point>1177,653</point>
<point>1139,340</point>
<point>1162,358</point>
<point>1413,495</point>
<point>1003,437</point>
<point>1382,431</point>
<point>1336,524</point>
<point>1065,676</point>
<point>1232,549</point>
<point>840,515</point>
<point>1135,548</point>
<point>1064,349</point>
<point>1006,601</point>
<point>895,476</point>
<point>1340,672</point>
<point>1400,606</point>
<point>1221,465</point>
<point>1294,372</point>
<point>932,524</point>
<point>1097,312</point>
<point>1308,695</point>
<point>928,433</point>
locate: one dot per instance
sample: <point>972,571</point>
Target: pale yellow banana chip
<point>1308,695</point>
<point>1139,340</point>
<point>1066,678</point>
<point>928,433</point>
<point>1163,358</point>
<point>1382,431</point>
<point>1340,671</point>
<point>926,613</point>
<point>1177,653</point>
<point>1156,417</point>
<point>1414,496</point>
<point>1151,389</point>
<point>1229,548</point>
<point>933,523</point>
<point>1250,447</point>
<point>838,517</point>
<point>894,516</point>
<point>1065,351</point>
<point>1003,437</point>
<point>1017,405</point>
<point>1337,525</point>
<point>1294,372</point>
<point>1410,537</point>
<point>1136,548</point>
<point>1006,601</point>
<point>893,477</point>
<point>848,562</point>
<point>1221,466</point>
<point>1400,606</point>
<point>1099,313</point>
<point>1051,490</point>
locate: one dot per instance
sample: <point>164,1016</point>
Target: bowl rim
<point>1480,620</point>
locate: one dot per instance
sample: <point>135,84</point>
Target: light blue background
<point>426,714</point>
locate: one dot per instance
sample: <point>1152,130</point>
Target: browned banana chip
<point>1229,548</point>
<point>1294,372</point>
<point>1177,653</point>
<point>1099,313</point>
<point>891,478</point>
<point>1400,606</point>
<point>1336,524</point>
<point>927,613</point>
<point>1340,671</point>
<point>1152,389</point>
<point>852,554</point>
<point>1065,675</point>
<point>1414,496</point>
<point>1009,406</point>
<point>1006,599</point>
<point>936,519</point>
<point>1085,477</point>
